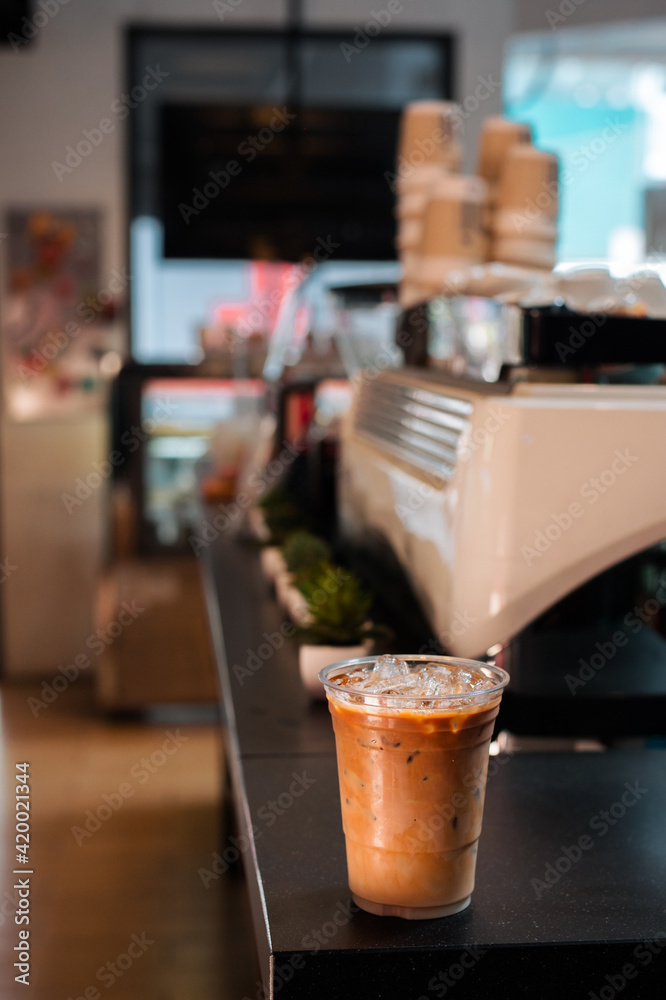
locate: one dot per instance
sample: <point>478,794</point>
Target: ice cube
<point>389,668</point>
<point>455,680</point>
<point>424,685</point>
<point>431,686</point>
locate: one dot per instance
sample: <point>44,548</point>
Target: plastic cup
<point>412,788</point>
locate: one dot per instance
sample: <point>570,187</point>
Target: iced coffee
<point>412,737</point>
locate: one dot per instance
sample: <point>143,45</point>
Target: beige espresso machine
<point>527,515</point>
<point>513,479</point>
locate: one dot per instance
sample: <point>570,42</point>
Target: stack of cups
<point>427,136</point>
<point>524,223</point>
<point>454,234</point>
<point>428,149</point>
<point>498,136</point>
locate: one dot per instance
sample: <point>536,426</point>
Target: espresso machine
<point>512,478</point>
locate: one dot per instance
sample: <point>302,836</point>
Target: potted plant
<point>281,518</point>
<point>339,629</point>
<point>303,555</point>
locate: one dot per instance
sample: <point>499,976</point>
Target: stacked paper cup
<point>428,136</point>
<point>428,150</point>
<point>498,136</point>
<point>524,223</point>
<point>454,234</point>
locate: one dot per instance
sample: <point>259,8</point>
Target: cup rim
<point>500,676</point>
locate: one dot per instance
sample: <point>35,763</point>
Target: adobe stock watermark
<point>591,491</point>
<point>579,335</point>
<point>224,7</point>
<point>581,159</point>
<point>96,642</point>
<point>256,659</point>
<point>248,149</point>
<point>131,439</point>
<point>6,570</point>
<point>268,814</point>
<point>445,979</point>
<point>313,942</point>
<point>334,578</point>
<point>484,89</point>
<point>379,19</point>
<point>418,495</point>
<point>459,624</point>
<point>481,436</point>
<point>212,527</point>
<point>558,17</point>
<point>52,345</point>
<point>424,148</point>
<point>120,109</point>
<point>108,973</point>
<point>31,26</point>
<point>604,652</point>
<point>281,974</point>
<point>599,824</point>
<point>645,953</point>
<point>388,359</point>
<point>113,801</point>
<point>385,360</point>
<point>323,250</point>
<point>319,937</point>
<point>465,442</point>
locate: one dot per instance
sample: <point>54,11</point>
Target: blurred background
<point>197,258</point>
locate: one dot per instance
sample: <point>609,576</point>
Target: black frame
<point>292,35</point>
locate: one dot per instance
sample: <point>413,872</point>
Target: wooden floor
<point>136,876</point>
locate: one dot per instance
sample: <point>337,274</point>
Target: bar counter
<point>571,876</point>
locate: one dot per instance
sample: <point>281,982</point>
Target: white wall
<point>66,81</point>
<point>531,16</point>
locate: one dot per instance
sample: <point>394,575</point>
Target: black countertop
<point>571,875</point>
<point>261,688</point>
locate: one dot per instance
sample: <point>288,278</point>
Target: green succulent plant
<point>274,498</point>
<point>281,516</point>
<point>304,551</point>
<point>339,606</point>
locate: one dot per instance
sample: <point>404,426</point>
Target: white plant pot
<point>297,606</point>
<point>312,659</point>
<point>257,524</point>
<point>283,585</point>
<point>272,561</point>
